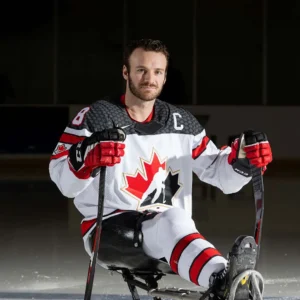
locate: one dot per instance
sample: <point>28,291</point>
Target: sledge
<point>140,271</point>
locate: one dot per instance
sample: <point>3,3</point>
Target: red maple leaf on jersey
<point>138,184</point>
<point>60,148</point>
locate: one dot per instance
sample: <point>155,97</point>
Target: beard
<point>140,93</point>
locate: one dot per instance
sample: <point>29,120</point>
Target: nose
<point>149,77</point>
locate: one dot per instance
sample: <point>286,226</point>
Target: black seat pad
<point>117,249</point>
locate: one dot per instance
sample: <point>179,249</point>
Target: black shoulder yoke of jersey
<point>167,118</point>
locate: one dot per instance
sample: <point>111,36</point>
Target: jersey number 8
<point>80,116</point>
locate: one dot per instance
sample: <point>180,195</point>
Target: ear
<point>125,72</point>
<point>165,78</point>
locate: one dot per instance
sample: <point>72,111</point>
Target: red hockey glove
<point>102,148</point>
<point>257,149</point>
<point>252,148</point>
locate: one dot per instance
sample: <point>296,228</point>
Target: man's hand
<point>102,148</point>
<point>252,148</point>
<point>257,148</point>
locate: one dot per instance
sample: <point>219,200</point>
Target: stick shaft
<point>96,244</point>
<point>258,192</point>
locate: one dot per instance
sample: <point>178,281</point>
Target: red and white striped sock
<point>195,259</point>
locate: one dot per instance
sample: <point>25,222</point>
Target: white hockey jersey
<point>157,169</point>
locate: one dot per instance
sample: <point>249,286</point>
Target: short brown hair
<point>147,45</point>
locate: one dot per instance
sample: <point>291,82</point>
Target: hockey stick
<point>258,192</point>
<point>93,258</point>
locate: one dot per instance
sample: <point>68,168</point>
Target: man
<point>151,171</point>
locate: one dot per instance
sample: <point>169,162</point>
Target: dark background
<point>222,52</point>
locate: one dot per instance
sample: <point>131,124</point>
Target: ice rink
<point>42,256</point>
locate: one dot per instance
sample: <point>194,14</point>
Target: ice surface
<point>42,255</point>
<point>32,296</point>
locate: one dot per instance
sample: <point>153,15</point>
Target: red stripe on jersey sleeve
<point>71,138</point>
<point>201,148</point>
<point>59,155</point>
<point>179,248</point>
<point>200,261</point>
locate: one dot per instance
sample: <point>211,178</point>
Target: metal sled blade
<point>256,282</point>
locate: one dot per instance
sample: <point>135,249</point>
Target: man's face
<point>147,74</point>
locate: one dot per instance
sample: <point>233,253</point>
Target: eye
<point>140,70</point>
<point>159,72</point>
